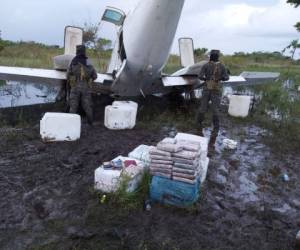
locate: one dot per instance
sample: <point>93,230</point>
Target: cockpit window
<point>114,16</point>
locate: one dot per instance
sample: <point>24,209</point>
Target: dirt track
<point>46,197</point>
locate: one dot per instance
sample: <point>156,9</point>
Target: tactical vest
<point>214,82</point>
<point>80,73</point>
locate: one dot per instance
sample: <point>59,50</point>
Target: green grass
<point>40,56</point>
<point>124,200</point>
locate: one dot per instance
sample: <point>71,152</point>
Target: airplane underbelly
<point>131,82</point>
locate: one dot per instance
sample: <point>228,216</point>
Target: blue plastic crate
<point>175,193</point>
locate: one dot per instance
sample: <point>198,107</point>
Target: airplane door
<point>115,17</point>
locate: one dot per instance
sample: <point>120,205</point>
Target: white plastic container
<point>203,170</point>
<point>141,153</point>
<point>133,105</point>
<point>120,117</point>
<point>125,103</point>
<point>60,127</point>
<point>239,105</point>
<point>108,181</point>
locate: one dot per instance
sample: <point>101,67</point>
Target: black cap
<point>80,50</point>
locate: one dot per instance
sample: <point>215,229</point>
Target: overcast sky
<point>229,25</point>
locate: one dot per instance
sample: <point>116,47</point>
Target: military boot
<point>90,119</point>
<point>200,130</point>
<point>216,124</point>
<point>200,120</point>
<point>62,94</point>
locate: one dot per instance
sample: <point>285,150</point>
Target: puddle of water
<point>284,209</point>
<point>15,94</point>
<point>247,188</point>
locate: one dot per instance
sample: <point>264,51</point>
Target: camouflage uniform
<point>212,73</point>
<point>80,78</point>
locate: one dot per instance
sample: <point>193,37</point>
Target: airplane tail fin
<point>186,48</point>
<point>73,37</point>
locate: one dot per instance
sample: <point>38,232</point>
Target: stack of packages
<point>161,160</point>
<point>178,159</point>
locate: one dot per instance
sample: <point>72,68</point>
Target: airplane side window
<point>113,16</point>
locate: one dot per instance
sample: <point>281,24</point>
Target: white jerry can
<point>130,104</point>
<point>120,116</point>
<point>107,181</point>
<point>203,169</point>
<point>239,105</point>
<point>60,127</point>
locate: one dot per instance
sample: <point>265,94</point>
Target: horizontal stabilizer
<point>173,81</point>
<point>40,75</point>
<point>260,76</point>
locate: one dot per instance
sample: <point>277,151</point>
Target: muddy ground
<point>47,199</point>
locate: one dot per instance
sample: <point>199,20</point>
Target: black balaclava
<point>80,50</point>
<point>214,55</point>
<point>80,55</point>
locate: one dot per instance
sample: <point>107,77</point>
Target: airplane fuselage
<point>148,34</point>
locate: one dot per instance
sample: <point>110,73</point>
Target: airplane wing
<point>189,76</point>
<point>42,75</point>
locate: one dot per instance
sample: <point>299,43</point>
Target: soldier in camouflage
<point>212,73</point>
<point>80,76</point>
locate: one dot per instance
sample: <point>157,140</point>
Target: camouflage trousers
<point>81,95</point>
<point>215,97</point>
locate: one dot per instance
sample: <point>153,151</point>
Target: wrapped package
<point>161,158</point>
<point>162,162</point>
<point>186,155</point>
<point>155,151</point>
<point>168,147</point>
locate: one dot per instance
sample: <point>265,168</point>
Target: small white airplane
<point>145,37</point>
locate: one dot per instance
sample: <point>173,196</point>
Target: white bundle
<point>184,180</point>
<point>183,171</point>
<point>160,174</point>
<point>153,165</point>
<point>185,176</point>
<point>169,140</point>
<point>189,145</point>
<point>185,161</point>
<point>161,170</point>
<point>186,155</point>
<point>161,158</point>
<point>185,166</point>
<point>168,147</point>
<point>157,152</point>
<point>161,162</point>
